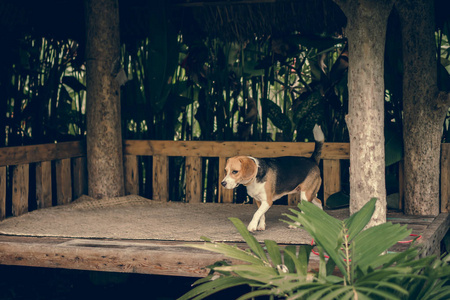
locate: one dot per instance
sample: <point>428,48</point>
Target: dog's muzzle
<point>226,185</point>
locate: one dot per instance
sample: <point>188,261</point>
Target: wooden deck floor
<point>153,256</point>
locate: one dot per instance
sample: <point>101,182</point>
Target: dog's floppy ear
<point>248,168</point>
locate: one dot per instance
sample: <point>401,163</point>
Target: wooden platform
<point>55,174</point>
<point>161,257</point>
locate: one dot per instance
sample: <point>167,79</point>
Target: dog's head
<point>239,170</point>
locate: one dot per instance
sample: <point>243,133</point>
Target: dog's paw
<point>297,225</point>
<point>252,227</point>
<point>261,227</point>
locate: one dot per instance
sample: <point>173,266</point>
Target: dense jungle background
<point>186,86</point>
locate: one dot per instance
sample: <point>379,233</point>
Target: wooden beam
<point>401,184</point>
<point>63,181</point>
<point>131,170</point>
<point>2,193</point>
<point>228,149</point>
<point>225,195</point>
<point>20,189</point>
<point>431,238</point>
<point>331,178</point>
<point>294,199</point>
<point>160,178</point>
<point>36,153</point>
<point>79,177</point>
<point>144,257</point>
<point>44,184</point>
<point>445,177</point>
<point>193,179</point>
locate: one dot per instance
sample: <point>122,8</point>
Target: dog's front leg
<point>258,221</point>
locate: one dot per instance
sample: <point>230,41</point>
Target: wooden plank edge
<point>433,235</point>
<point>44,152</point>
<point>228,149</point>
<point>124,256</point>
<point>144,257</point>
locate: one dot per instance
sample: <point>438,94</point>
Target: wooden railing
<point>57,169</point>
<point>55,174</point>
<point>194,151</point>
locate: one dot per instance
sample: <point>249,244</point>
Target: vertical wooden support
<point>294,199</point>
<point>79,177</point>
<point>44,184</point>
<point>225,196</point>
<point>131,169</point>
<point>20,185</point>
<point>160,178</point>
<point>331,178</point>
<point>445,178</point>
<point>401,184</point>
<point>2,192</point>
<point>63,181</point>
<point>193,179</point>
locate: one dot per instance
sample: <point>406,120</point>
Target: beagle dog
<point>269,179</point>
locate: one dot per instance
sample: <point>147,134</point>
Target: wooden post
<point>160,178</point>
<point>131,169</point>
<point>20,185</point>
<point>63,181</point>
<point>294,199</point>
<point>44,184</point>
<point>401,184</point>
<point>331,178</point>
<point>79,177</point>
<point>225,196</point>
<point>445,178</point>
<point>193,179</point>
<point>2,192</point>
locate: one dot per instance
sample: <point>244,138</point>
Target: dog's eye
<point>234,172</point>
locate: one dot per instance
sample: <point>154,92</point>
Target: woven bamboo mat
<point>134,217</point>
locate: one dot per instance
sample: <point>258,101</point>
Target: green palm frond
<point>359,254</point>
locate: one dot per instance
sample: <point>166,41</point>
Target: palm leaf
<point>257,293</point>
<point>372,242</point>
<point>249,239</point>
<point>274,252</point>
<point>211,287</point>
<point>356,222</point>
<point>383,294</point>
<point>230,251</point>
<point>326,230</point>
<point>288,262</point>
<point>295,261</point>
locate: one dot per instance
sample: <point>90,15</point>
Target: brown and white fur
<point>269,179</point>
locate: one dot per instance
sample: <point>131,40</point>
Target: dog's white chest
<point>257,191</point>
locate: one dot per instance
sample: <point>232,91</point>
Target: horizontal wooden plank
<point>125,256</point>
<point>433,235</point>
<point>36,153</point>
<point>227,149</point>
<point>144,257</point>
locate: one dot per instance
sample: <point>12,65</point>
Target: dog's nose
<point>224,183</point>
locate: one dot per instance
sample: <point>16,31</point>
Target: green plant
<point>366,269</point>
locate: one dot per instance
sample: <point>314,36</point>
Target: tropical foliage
<point>359,265</point>
<point>186,87</point>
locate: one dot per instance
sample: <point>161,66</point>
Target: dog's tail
<point>319,138</point>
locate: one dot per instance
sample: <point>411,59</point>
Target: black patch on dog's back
<point>290,171</point>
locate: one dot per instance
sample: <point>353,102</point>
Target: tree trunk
<point>424,108</point>
<point>104,136</point>
<point>366,32</point>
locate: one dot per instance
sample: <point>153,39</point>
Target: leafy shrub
<point>367,270</point>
